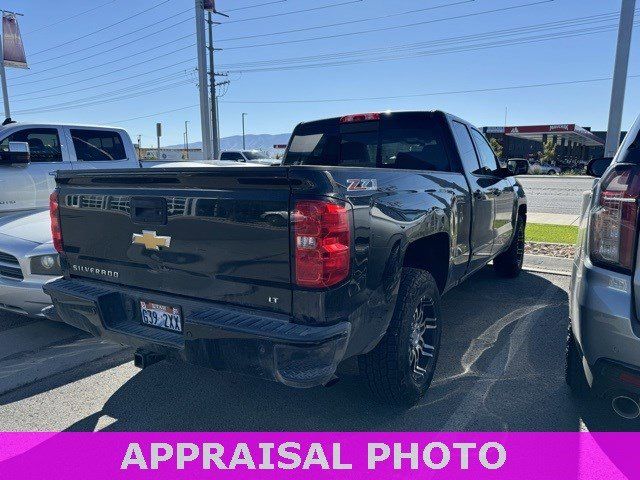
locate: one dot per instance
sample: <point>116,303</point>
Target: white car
<point>543,169</point>
<point>253,156</point>
<point>27,261</point>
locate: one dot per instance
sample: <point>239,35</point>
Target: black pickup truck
<point>285,272</point>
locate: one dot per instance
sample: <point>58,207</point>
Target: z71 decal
<point>362,184</point>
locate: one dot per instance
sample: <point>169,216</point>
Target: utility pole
<point>205,111</point>
<point>620,72</point>
<point>244,143</point>
<point>215,120</point>
<point>212,86</point>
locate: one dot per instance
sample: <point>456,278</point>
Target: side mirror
<point>598,166</point>
<point>18,154</point>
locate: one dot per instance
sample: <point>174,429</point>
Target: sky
<point>133,64</point>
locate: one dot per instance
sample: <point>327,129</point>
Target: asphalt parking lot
<point>501,369</point>
<point>555,194</point>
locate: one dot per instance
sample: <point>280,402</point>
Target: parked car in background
<point>527,167</point>
<point>603,345</point>
<point>536,168</point>
<point>27,174</point>
<point>520,166</point>
<point>27,261</point>
<point>343,251</point>
<point>253,156</point>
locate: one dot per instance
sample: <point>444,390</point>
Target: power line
<point>455,49</point>
<point>394,97</point>
<point>153,7</point>
<point>157,114</point>
<point>137,63</point>
<point>30,96</point>
<point>381,29</point>
<point>120,37</point>
<point>404,47</point>
<point>66,19</point>
<point>429,94</point>
<point>75,106</point>
<point>131,42</point>
<point>349,22</point>
<point>91,87</point>
<point>255,6</point>
<point>108,94</point>
<point>377,51</point>
<point>40,72</point>
<point>313,9</point>
<point>430,53</point>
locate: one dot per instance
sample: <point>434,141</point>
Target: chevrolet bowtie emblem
<point>151,240</point>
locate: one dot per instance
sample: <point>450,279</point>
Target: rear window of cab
<point>412,141</point>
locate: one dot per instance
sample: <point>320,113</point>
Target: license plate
<point>161,316</point>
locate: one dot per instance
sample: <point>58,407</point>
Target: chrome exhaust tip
<point>626,407</point>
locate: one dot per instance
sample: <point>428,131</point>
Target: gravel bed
<point>550,249</point>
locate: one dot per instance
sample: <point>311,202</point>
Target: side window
<point>232,156</point>
<point>413,149</point>
<point>488,161</point>
<point>465,147</point>
<point>98,145</point>
<point>44,144</point>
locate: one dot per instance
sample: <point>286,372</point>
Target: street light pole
<point>620,72</point>
<point>186,137</point>
<point>244,143</point>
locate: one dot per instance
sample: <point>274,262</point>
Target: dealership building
<point>574,144</point>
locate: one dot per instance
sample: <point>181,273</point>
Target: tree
<point>549,151</point>
<point>497,147</point>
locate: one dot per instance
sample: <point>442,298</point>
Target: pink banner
<point>351,456</point>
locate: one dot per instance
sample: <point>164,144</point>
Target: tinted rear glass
<point>402,141</point>
<point>98,145</point>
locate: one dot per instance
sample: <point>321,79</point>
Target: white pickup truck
<point>26,181</point>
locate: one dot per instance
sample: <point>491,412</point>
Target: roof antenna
<point>8,121</point>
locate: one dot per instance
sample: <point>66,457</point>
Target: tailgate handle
<point>152,211</point>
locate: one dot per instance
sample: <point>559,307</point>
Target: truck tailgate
<point>213,234</point>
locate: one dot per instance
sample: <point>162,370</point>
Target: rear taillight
<point>322,237</point>
<point>360,117</point>
<point>614,220</point>
<point>56,231</point>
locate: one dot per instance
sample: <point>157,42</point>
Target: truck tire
<point>509,264</point>
<point>400,369</point>
<point>574,372</point>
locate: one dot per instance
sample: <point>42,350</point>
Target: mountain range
<point>253,142</point>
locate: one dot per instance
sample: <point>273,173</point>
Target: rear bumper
<point>604,326</point>
<point>262,344</point>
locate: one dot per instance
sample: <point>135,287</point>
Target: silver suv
<point>603,346</point>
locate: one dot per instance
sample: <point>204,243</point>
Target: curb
<point>549,272</point>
